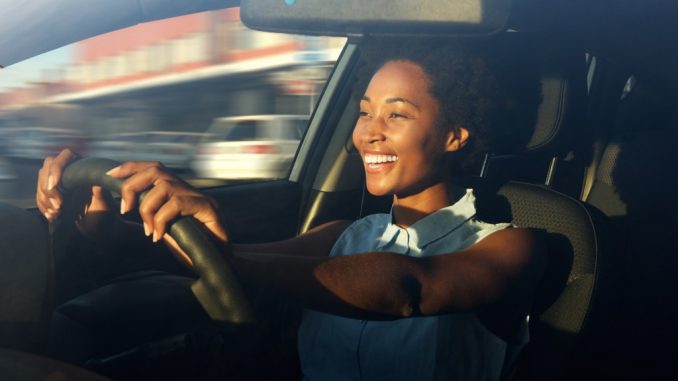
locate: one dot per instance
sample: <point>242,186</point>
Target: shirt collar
<point>435,225</point>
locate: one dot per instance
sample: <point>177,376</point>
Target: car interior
<point>594,177</point>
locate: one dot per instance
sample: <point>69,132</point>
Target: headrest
<point>561,112</point>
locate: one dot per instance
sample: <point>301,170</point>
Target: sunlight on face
<point>397,133</point>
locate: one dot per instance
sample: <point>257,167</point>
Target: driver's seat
<point>572,297</point>
<point>568,299</point>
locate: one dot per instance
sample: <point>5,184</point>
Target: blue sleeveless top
<point>446,347</point>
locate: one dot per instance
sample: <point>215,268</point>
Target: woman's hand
<point>92,205</point>
<point>168,197</point>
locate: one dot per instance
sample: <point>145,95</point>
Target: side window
<point>242,131</point>
<point>195,92</point>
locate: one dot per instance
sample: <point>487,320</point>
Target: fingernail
<point>155,236</point>
<point>147,230</point>
<point>50,182</point>
<point>123,207</point>
<point>54,203</point>
<point>113,171</point>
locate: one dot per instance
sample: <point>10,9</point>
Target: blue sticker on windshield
<point>290,2</point>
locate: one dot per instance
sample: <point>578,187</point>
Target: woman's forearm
<point>364,286</point>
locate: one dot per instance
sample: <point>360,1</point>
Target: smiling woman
<point>430,110</point>
<point>388,284</point>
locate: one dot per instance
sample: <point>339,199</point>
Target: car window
<point>195,92</point>
<point>240,131</point>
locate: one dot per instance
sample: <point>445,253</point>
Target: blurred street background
<point>212,100</point>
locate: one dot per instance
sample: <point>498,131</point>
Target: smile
<point>378,159</point>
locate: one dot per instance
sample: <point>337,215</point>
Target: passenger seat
<point>635,184</point>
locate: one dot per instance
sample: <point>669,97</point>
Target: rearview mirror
<point>340,18</point>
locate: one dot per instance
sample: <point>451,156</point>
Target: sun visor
<point>341,18</point>
<point>29,28</point>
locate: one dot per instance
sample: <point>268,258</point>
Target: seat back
<point>25,279</point>
<point>569,291</point>
<point>635,185</point>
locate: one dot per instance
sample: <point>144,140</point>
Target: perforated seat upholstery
<point>568,292</point>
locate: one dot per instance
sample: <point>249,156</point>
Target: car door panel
<point>259,212</point>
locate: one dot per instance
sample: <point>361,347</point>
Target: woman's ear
<point>456,139</point>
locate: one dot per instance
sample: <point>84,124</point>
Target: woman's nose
<point>374,131</point>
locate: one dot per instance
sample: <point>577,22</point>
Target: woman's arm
<point>503,269</point>
<point>499,273</point>
<point>316,242</point>
<point>169,197</point>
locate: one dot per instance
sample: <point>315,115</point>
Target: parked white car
<point>249,147</point>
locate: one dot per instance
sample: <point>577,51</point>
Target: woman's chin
<point>378,190</point>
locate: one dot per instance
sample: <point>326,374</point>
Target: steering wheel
<point>217,288</point>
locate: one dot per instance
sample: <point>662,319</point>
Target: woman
<point>434,292</point>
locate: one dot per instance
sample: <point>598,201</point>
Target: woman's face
<point>398,134</point>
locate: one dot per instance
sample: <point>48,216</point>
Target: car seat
<point>571,298</point>
<point>634,185</point>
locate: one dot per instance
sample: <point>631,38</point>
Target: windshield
<point>128,94</point>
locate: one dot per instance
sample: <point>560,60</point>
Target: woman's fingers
<point>56,168</point>
<point>173,208</point>
<point>48,198</point>
<point>177,250</point>
<point>45,206</point>
<point>167,198</point>
<point>41,198</point>
<point>139,177</point>
<point>101,200</point>
<point>132,168</point>
<point>195,205</point>
<point>154,200</point>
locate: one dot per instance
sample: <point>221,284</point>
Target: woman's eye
<point>364,114</point>
<point>395,115</point>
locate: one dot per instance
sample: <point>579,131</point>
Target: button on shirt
<point>446,347</point>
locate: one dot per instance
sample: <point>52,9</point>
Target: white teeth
<point>378,159</point>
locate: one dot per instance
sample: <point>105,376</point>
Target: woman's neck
<point>409,209</point>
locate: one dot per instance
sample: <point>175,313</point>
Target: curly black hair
<point>481,86</point>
